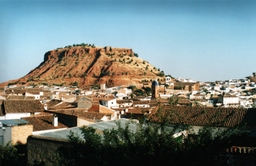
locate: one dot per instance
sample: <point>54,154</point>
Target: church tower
<point>155,90</point>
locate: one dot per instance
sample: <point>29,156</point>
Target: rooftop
<point>202,116</point>
<point>13,122</point>
<point>62,134</point>
<point>22,106</point>
<point>43,122</point>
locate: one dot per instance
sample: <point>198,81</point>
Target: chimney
<point>54,120</point>
<point>102,86</point>
<point>45,107</point>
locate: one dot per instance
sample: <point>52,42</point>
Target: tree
<point>153,143</point>
<point>132,87</point>
<point>147,90</point>
<point>120,146</point>
<point>147,67</point>
<point>139,92</point>
<point>75,84</point>
<point>9,155</point>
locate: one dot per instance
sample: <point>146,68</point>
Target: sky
<point>204,40</point>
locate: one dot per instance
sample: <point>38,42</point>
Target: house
<point>45,121</point>
<point>82,113</point>
<point>107,100</point>
<point>246,101</point>
<point>84,102</point>
<point>15,109</point>
<point>15,91</point>
<point>124,103</point>
<point>14,131</point>
<point>123,93</point>
<point>34,95</point>
<point>79,117</point>
<point>230,100</point>
<point>187,86</point>
<point>196,96</point>
<point>66,97</point>
<point>216,100</point>
<point>137,113</point>
<point>141,103</point>
<point>84,110</point>
<point>168,80</point>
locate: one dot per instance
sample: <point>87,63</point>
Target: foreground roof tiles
<point>202,116</point>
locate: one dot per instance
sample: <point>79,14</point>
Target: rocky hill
<point>84,65</point>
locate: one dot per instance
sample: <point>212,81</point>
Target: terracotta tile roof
<point>94,108</point>
<point>185,83</point>
<point>184,101</point>
<point>123,101</point>
<point>47,94</point>
<point>64,105</point>
<point>80,113</point>
<point>201,116</point>
<point>182,96</point>
<point>92,115</point>
<point>138,110</point>
<point>15,97</point>
<point>202,100</point>
<point>43,122</point>
<point>22,106</point>
<point>198,94</point>
<point>229,95</point>
<point>52,103</point>
<point>23,90</point>
<point>29,98</point>
<point>35,90</point>
<point>141,102</point>
<point>97,97</point>
<point>15,91</point>
<point>164,100</point>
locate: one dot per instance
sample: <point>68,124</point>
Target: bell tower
<point>155,90</point>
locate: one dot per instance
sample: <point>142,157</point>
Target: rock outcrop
<point>85,66</point>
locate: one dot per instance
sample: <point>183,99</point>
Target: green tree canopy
<point>151,144</point>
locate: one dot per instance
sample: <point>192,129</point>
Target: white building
<point>230,100</point>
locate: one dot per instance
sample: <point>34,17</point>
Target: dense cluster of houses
<point>33,114</point>
<point>229,93</point>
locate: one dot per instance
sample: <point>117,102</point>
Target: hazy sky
<point>204,40</point>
